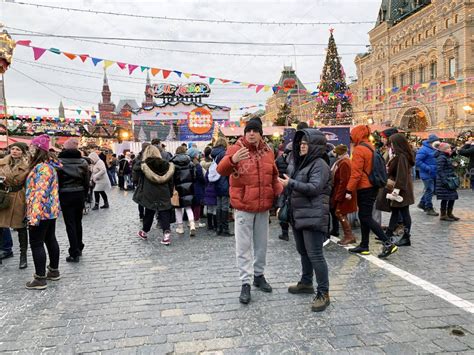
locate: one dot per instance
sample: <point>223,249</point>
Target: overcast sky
<point>79,84</point>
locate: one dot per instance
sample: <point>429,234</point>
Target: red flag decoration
<point>23,43</point>
<point>224,80</point>
<point>121,65</point>
<point>166,73</point>
<point>70,55</point>
<point>38,52</point>
<point>131,68</point>
<point>83,57</point>
<point>259,87</point>
<point>155,71</point>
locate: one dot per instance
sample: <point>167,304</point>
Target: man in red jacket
<point>254,184</point>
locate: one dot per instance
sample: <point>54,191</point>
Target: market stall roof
<point>239,131</point>
<point>440,134</point>
<point>3,141</point>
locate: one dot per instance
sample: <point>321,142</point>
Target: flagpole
<point>5,107</point>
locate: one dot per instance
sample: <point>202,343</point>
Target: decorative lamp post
<point>7,45</point>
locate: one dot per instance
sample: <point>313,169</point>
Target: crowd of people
<point>318,188</point>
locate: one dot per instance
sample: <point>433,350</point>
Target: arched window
<point>412,41</point>
<point>422,73</point>
<point>419,37</point>
<point>446,23</point>
<point>427,33</point>
<point>433,70</point>
<point>412,77</point>
<point>456,18</point>
<point>434,30</point>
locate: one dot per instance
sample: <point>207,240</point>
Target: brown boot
<point>348,238</point>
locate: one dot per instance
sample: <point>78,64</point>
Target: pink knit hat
<point>41,142</point>
<point>444,147</point>
<point>71,143</point>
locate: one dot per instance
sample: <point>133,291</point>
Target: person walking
<point>100,180</point>
<point>309,188</point>
<point>210,194</point>
<point>154,191</point>
<point>400,183</point>
<point>73,178</point>
<point>111,163</point>
<point>341,172</point>
<point>447,182</point>
<point>222,190</point>
<point>427,165</point>
<point>198,186</point>
<point>42,210</point>
<point>282,163</point>
<point>254,184</point>
<point>14,169</point>
<point>363,156</point>
<point>184,177</point>
<point>468,151</point>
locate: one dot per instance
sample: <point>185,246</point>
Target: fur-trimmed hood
<point>157,170</point>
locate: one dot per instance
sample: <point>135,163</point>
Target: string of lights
<point>183,19</point>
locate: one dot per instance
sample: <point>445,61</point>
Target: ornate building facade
<point>419,71</point>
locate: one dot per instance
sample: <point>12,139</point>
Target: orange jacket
<point>361,166</point>
<point>253,182</point>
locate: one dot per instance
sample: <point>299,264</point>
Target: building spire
<point>148,78</point>
<point>106,81</point>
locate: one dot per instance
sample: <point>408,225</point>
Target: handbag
<point>5,199</point>
<point>283,213</point>
<point>453,182</point>
<point>175,199</point>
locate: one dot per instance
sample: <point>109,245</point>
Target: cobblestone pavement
<point>133,296</point>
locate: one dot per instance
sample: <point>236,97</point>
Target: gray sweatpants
<point>251,232</point>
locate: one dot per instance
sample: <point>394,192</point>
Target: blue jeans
<point>7,244</point>
<point>309,244</point>
<point>112,176</point>
<point>426,199</point>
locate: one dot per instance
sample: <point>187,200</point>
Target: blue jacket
<point>199,185</point>
<point>445,170</point>
<point>222,185</point>
<point>426,161</point>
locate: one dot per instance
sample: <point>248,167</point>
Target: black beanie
<point>254,124</point>
<point>21,145</point>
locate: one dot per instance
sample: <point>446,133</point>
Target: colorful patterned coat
<point>42,201</point>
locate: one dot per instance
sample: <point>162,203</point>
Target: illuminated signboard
<point>182,92</point>
<point>200,120</point>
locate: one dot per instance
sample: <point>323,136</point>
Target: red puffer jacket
<point>254,181</point>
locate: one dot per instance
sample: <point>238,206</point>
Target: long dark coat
<point>444,170</point>
<point>399,170</point>
<point>184,177</point>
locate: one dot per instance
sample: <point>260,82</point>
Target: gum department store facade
<point>414,43</point>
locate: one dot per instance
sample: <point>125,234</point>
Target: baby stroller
<point>89,199</point>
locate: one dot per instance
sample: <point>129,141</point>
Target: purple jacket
<point>210,193</point>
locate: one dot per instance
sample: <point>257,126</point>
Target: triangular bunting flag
<point>187,75</point>
<point>259,87</point>
<point>121,65</point>
<point>70,55</point>
<point>55,50</point>
<point>143,68</point>
<point>131,68</point>
<point>224,81</point>
<point>166,73</point>
<point>83,57</point>
<point>154,71</point>
<point>38,52</point>
<point>178,73</point>
<point>96,60</point>
<point>266,88</point>
<point>250,85</point>
<point>108,63</point>
<point>78,111</point>
<point>211,80</point>
<point>23,43</point>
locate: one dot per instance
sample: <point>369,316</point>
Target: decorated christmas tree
<point>171,134</point>
<point>334,100</point>
<point>284,117</point>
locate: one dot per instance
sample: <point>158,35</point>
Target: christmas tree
<point>334,100</point>
<point>284,117</point>
<point>171,134</point>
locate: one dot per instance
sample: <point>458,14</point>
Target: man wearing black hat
<point>254,184</point>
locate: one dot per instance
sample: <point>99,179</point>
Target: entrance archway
<point>414,120</point>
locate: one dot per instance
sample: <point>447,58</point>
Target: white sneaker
<point>202,225</point>
<point>192,229</point>
<point>180,229</point>
<point>326,242</point>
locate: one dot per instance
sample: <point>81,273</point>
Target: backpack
<point>378,176</point>
<point>212,174</point>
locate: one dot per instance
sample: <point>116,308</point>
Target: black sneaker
<point>72,259</point>
<point>38,283</point>
<point>245,294</point>
<point>301,288</point>
<point>421,206</point>
<point>262,284</point>
<point>6,254</point>
<point>387,250</point>
<point>284,237</point>
<point>359,250</point>
<point>431,212</point>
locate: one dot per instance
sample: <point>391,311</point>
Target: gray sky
<point>76,81</point>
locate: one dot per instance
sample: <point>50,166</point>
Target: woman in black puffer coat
<point>154,189</point>
<point>184,176</point>
<point>444,171</point>
<point>308,184</point>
